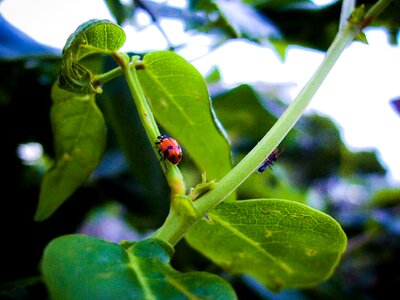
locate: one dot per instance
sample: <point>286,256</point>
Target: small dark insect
<point>269,161</point>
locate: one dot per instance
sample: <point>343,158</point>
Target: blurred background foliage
<point>127,198</point>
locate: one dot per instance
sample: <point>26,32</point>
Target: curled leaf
<point>92,37</point>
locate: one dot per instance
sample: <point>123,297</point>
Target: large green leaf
<point>279,242</point>
<point>85,267</point>
<point>92,37</point>
<point>179,98</point>
<point>80,135</point>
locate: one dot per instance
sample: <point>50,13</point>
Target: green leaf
<point>272,182</point>
<point>242,113</point>
<point>279,242</point>
<point>85,267</point>
<point>180,102</point>
<point>386,197</point>
<point>92,37</point>
<point>80,135</point>
<point>361,37</point>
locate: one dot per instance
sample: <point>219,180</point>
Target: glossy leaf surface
<point>80,135</point>
<point>179,98</point>
<point>86,267</point>
<point>279,242</point>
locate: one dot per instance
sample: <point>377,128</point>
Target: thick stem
<point>182,215</point>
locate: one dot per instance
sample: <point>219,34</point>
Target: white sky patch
<point>50,22</point>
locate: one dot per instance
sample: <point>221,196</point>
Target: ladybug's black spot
<point>170,147</point>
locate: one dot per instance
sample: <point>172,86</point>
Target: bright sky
<point>356,93</point>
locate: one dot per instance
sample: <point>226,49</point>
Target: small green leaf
<point>213,76</point>
<point>361,37</point>
<point>279,242</point>
<point>80,135</point>
<point>179,98</point>
<point>92,37</point>
<point>203,187</point>
<point>85,267</point>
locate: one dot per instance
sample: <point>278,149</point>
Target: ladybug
<point>169,148</point>
<point>269,161</point>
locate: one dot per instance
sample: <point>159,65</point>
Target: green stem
<point>145,114</point>
<point>173,230</point>
<point>181,216</point>
<point>347,7</point>
<point>105,77</point>
<point>172,173</point>
<point>375,11</point>
<point>286,122</point>
<point>277,133</point>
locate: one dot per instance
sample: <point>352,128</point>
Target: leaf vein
<point>170,97</point>
<point>134,264</point>
<point>251,242</point>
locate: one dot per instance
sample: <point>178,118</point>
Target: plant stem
<point>182,215</point>
<point>105,77</point>
<point>280,129</point>
<point>145,114</point>
<point>172,173</point>
<point>347,8</point>
<point>375,11</point>
<point>270,141</point>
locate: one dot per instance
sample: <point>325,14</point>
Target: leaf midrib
<point>134,264</point>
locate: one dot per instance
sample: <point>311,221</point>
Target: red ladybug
<point>169,148</point>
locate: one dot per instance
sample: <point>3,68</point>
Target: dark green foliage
<point>314,161</point>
